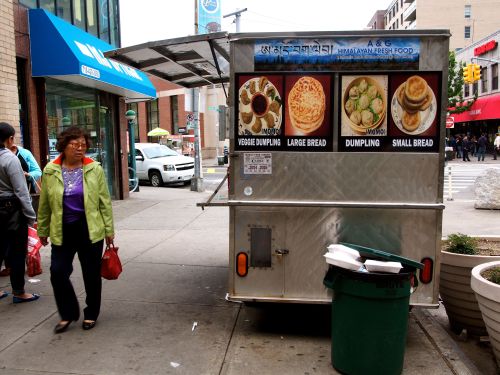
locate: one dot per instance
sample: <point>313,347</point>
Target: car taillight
<point>242,264</point>
<point>426,272</point>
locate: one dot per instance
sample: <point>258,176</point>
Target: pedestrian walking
<point>465,149</point>
<point>473,146</point>
<point>32,172</point>
<point>16,214</point>
<point>496,146</point>
<point>78,225</point>
<point>482,143</point>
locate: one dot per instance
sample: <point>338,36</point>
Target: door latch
<point>281,252</point>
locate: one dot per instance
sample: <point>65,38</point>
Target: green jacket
<point>96,199</point>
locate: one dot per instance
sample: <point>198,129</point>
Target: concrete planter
<point>458,297</point>
<point>488,296</point>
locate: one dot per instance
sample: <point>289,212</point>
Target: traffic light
<point>476,72</point>
<point>468,73</point>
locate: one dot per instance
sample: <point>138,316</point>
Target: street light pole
<point>131,115</point>
<point>197,180</point>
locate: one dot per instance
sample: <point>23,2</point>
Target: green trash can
<point>370,316</point>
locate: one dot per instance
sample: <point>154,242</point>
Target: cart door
<point>260,234</point>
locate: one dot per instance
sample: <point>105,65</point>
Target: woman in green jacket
<point>75,212</point>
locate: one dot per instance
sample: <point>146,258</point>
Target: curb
<point>453,356</point>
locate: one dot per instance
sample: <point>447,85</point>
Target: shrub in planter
<point>485,282</point>
<point>459,255</point>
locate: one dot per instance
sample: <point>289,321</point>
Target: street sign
<point>190,117</point>
<point>450,122</point>
<point>182,130</point>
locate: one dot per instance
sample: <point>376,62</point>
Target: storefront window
<point>153,118</point>
<point>64,9</point>
<point>114,31</point>
<point>79,15</point>
<point>494,77</point>
<point>104,20</point>
<point>28,3</point>
<point>484,80</point>
<point>68,105</point>
<point>48,5</point>
<point>475,88</point>
<point>92,18</point>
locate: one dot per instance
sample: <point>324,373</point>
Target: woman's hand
<point>44,241</point>
<point>109,239</point>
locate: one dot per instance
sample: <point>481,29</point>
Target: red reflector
<point>426,272</point>
<point>242,264</point>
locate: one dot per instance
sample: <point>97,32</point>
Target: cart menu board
<point>377,112</point>
<point>396,112</point>
<point>284,112</point>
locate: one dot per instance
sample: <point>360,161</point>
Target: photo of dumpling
<point>364,103</point>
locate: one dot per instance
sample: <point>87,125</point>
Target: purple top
<point>73,208</point>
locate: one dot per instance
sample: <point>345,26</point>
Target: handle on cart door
<point>281,252</point>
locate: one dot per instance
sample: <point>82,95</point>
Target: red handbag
<point>33,258</point>
<point>111,267</point>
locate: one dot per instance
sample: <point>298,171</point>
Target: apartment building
<point>469,21</point>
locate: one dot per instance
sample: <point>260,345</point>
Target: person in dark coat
<point>481,144</point>
<point>466,144</point>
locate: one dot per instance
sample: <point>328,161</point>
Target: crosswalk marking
<point>463,177</point>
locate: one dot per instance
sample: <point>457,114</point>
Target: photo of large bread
<point>411,105</point>
<point>306,104</point>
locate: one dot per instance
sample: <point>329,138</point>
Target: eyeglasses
<point>77,145</point>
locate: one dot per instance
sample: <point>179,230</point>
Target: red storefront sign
<point>485,108</point>
<point>483,48</point>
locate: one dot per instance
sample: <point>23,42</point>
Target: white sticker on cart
<point>258,163</point>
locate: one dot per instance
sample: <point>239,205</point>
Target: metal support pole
<point>450,194</point>
<point>131,145</point>
<point>197,180</point>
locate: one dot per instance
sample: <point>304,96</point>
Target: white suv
<point>162,165</point>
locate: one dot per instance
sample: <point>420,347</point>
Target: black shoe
<point>61,327</point>
<point>88,324</point>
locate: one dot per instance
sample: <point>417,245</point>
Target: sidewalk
<point>167,312</point>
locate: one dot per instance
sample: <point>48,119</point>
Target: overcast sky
<point>149,20</point>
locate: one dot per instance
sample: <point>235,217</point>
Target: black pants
<point>13,241</point>
<point>76,240</point>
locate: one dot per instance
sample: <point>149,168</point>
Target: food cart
<point>334,137</point>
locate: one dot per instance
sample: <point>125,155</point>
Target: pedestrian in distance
<point>16,214</point>
<point>459,146</point>
<point>496,146</point>
<point>482,143</point>
<point>473,145</point>
<point>465,149</point>
<point>75,213</point>
<point>32,172</point>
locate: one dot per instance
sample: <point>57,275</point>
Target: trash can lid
<point>371,253</point>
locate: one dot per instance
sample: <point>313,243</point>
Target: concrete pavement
<point>167,313</point>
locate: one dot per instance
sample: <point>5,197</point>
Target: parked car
<point>162,165</point>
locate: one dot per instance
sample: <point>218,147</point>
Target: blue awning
<point>63,51</point>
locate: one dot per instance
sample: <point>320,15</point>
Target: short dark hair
<point>69,134</point>
<point>6,131</point>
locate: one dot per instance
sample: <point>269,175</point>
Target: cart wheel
<point>155,179</point>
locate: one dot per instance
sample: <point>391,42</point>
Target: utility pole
<point>197,180</point>
<point>237,16</point>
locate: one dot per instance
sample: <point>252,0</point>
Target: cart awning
<point>484,108</point>
<point>193,61</point>
<point>63,51</point>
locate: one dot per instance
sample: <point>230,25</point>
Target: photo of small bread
<point>307,104</point>
<point>413,105</point>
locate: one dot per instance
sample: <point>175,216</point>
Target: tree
<point>456,103</point>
